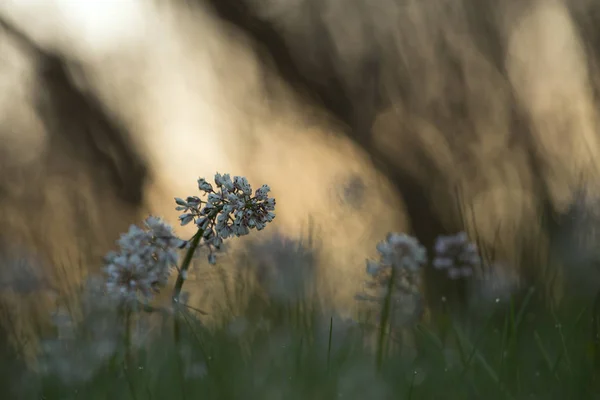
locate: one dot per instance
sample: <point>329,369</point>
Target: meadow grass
<point>300,350</point>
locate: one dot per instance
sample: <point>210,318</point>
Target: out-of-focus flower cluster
<point>143,263</point>
<point>457,255</point>
<point>397,274</point>
<point>231,210</point>
<point>284,268</point>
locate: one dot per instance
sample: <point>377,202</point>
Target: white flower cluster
<point>399,251</point>
<point>229,211</point>
<point>456,255</point>
<point>143,263</point>
<point>402,257</point>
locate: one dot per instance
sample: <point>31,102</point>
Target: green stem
<point>385,317</point>
<point>185,265</point>
<point>329,346</point>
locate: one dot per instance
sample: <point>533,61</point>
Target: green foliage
<point>297,352</point>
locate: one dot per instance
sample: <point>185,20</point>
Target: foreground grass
<point>301,352</point>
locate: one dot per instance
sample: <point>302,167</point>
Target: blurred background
<point>364,117</point>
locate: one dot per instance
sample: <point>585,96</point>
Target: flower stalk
<point>185,265</point>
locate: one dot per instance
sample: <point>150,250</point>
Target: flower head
<point>399,271</point>
<point>144,260</point>
<point>231,210</point>
<point>457,255</point>
<point>402,251</point>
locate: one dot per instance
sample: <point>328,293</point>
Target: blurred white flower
<point>457,255</point>
<point>144,261</point>
<point>402,251</point>
<point>401,259</point>
<point>401,254</point>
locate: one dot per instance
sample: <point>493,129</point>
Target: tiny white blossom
<point>186,218</point>
<point>212,259</point>
<point>204,186</point>
<point>261,193</point>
